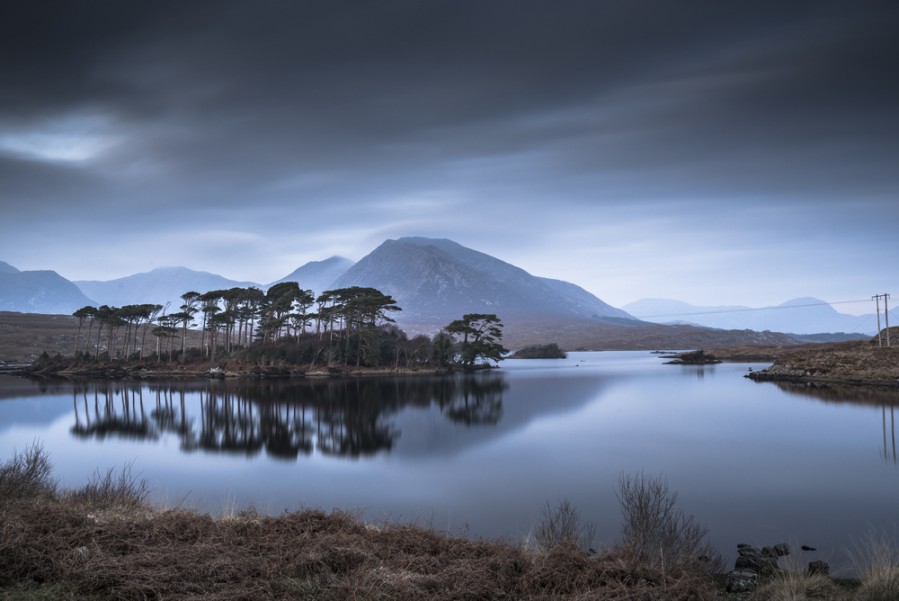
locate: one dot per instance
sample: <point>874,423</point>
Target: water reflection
<point>286,419</point>
<point>885,398</point>
<point>843,394</point>
<point>887,454</point>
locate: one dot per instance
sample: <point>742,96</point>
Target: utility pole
<point>876,298</point>
<point>886,316</point>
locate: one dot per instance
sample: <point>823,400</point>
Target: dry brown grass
<point>81,547</point>
<point>876,561</point>
<point>799,586</point>
<point>848,362</point>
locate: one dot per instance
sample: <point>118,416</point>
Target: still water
<point>480,455</point>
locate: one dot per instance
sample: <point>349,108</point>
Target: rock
<point>768,552</point>
<point>751,559</point>
<point>741,582</point>
<point>818,567</point>
<point>782,549</point>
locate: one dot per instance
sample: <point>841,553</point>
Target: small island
<point>283,332</point>
<point>694,358</point>
<point>540,351</point>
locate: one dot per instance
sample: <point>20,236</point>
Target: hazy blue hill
<point>39,292</point>
<point>159,286</point>
<point>585,301</point>
<point>318,275</point>
<point>806,315</point>
<point>7,268</point>
<point>437,280</point>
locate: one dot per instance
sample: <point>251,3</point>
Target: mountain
<point>159,286</point>
<point>318,275</point>
<point>805,315</point>
<point>434,281</point>
<point>7,268</point>
<point>38,292</point>
<point>437,281</point>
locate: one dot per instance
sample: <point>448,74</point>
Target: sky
<point>739,153</point>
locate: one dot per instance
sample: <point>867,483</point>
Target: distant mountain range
<point>436,281</point>
<point>162,286</point>
<point>805,315</point>
<point>38,292</point>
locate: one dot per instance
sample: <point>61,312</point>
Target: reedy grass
<point>876,561</point>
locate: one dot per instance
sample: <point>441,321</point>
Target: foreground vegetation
<point>104,541</point>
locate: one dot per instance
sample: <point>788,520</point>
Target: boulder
<point>818,567</point>
<point>750,559</point>
<point>782,549</point>
<point>741,582</point>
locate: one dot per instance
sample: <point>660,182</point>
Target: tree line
<point>285,324</point>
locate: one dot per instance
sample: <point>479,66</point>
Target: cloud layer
<point>714,152</point>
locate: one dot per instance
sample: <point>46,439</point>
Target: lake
<point>481,454</point>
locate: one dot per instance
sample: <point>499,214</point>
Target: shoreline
<point>136,370</point>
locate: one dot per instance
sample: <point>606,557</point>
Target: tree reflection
<point>118,410</point>
<point>283,418</point>
<point>475,400</point>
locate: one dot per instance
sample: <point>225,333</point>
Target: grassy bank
<point>104,541</point>
<point>848,363</point>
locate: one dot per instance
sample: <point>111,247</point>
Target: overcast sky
<point>714,152</point>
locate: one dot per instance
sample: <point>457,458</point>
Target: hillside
<point>857,363</point>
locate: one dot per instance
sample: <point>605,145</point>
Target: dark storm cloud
<point>250,90</point>
<point>367,114</point>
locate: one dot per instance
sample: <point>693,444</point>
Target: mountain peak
<point>438,280</point>
<point>318,275</point>
<point>7,268</point>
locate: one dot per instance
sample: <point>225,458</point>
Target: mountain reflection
<point>285,418</point>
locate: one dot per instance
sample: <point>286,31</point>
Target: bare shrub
<point>876,561</point>
<point>562,525</point>
<point>28,474</point>
<point>655,531</point>
<point>113,490</point>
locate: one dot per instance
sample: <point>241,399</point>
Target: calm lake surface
<point>481,454</point>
